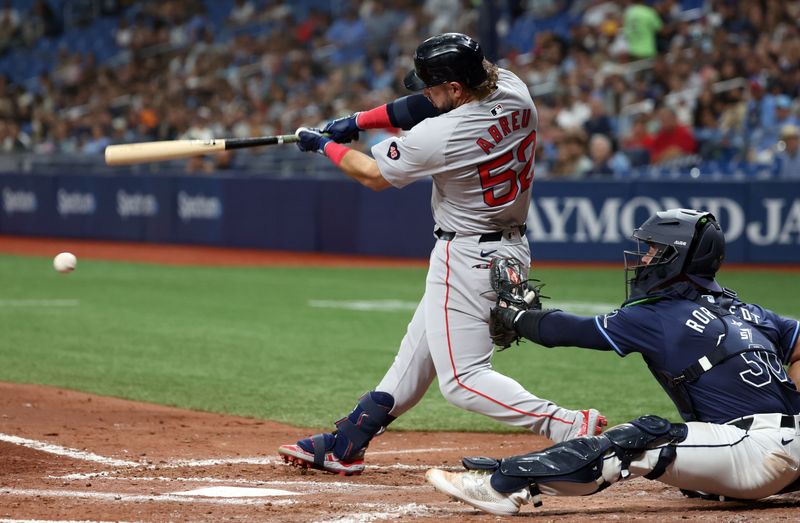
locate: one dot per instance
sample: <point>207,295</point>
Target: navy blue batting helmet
<point>449,57</point>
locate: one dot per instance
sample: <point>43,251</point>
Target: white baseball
<point>65,262</point>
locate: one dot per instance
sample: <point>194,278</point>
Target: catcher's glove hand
<point>514,295</point>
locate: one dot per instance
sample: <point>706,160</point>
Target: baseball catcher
<point>730,367</point>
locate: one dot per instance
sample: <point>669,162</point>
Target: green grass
<point>246,340</point>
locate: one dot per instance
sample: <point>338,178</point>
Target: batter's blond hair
<point>490,84</point>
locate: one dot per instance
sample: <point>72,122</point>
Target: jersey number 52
<point>501,183</point>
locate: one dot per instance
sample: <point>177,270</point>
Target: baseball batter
<point>473,131</point>
<point>722,362</point>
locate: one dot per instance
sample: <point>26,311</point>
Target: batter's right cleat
<point>317,452</point>
<point>474,488</point>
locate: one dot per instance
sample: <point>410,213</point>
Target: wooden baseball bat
<point>143,152</point>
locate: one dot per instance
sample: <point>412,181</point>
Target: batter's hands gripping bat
<point>143,152</point>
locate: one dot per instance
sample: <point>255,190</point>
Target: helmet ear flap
<point>707,250</point>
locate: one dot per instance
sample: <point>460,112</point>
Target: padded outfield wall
<point>580,221</point>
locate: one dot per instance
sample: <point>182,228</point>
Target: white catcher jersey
<point>480,156</point>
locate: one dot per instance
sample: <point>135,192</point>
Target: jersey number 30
<point>501,183</point>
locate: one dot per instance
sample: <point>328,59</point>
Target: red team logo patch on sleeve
<point>394,152</point>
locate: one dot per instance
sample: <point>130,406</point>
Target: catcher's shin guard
<point>368,419</point>
<point>578,465</point>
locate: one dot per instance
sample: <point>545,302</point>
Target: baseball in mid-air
<point>65,262</point>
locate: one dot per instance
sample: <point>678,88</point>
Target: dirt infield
<point>71,456</point>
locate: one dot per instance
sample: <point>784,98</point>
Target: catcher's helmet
<point>449,57</point>
<point>680,244</point>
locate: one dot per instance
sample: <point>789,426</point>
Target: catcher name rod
<point>143,152</point>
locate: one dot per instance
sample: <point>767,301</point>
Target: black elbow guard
<point>405,113</point>
<point>527,324</point>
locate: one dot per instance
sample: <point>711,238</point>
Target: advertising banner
<point>576,221</point>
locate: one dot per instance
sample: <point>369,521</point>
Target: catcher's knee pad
<point>369,418</point>
<point>581,460</point>
<point>644,433</point>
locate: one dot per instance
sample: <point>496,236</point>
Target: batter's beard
<point>447,108</point>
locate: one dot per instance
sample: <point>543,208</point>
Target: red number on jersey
<point>491,181</point>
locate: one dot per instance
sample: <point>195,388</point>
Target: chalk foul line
<point>308,486</point>
<point>118,496</point>
<point>59,450</point>
<point>66,451</point>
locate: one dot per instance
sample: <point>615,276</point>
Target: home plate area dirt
<point>71,456</point>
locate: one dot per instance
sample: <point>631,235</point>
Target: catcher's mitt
<point>514,294</point>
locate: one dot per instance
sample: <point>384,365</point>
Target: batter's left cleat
<point>474,488</point>
<point>317,452</point>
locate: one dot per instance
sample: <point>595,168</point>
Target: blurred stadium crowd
<point>622,87</point>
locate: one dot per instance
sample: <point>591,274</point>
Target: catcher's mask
<point>675,245</point>
<point>449,57</point>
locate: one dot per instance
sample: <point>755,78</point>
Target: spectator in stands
<point>599,122</point>
<point>242,13</point>
<point>12,139</point>
<point>708,134</point>
<point>97,141</point>
<point>284,72</point>
<point>598,12</point>
<point>615,92</point>
<point>443,15</point>
<point>572,162</point>
<point>40,22</point>
<point>123,34</point>
<point>641,24</point>
<point>8,106</point>
<point>9,26</point>
<point>637,142</point>
<point>732,117</point>
<point>672,140</point>
<point>757,110</point>
<point>348,36</point>
<point>787,161</point>
<point>380,76</point>
<point>783,116</point>
<point>64,141</point>
<point>576,110</point>
<point>732,126</point>
<point>548,137</point>
<point>600,152</point>
<point>381,23</point>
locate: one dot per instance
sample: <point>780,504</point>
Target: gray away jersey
<point>480,156</point>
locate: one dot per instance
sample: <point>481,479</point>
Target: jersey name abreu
<point>505,125</point>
